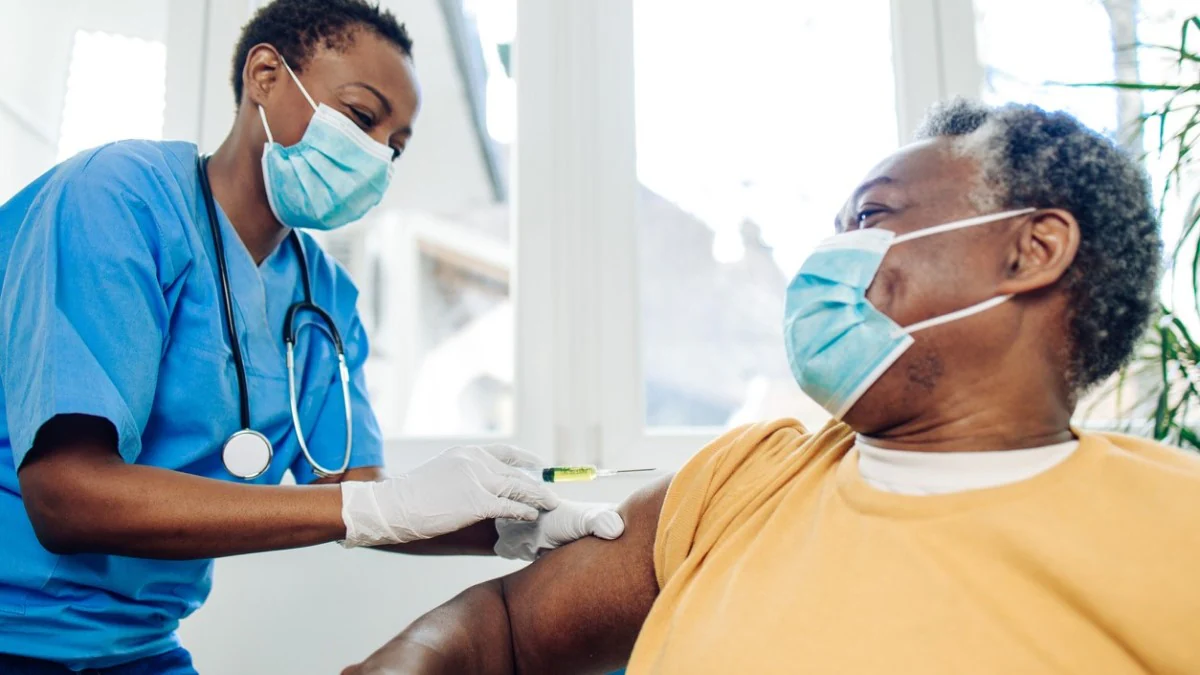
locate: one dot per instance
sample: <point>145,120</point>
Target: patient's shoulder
<point>737,474</point>
<point>1132,453</point>
<point>747,456</point>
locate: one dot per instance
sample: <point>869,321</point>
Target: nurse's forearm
<point>477,539</point>
<point>83,498</point>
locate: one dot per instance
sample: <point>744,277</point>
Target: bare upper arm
<point>579,608</point>
<point>72,455</point>
<point>65,451</point>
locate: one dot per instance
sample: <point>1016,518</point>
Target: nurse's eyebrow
<point>387,105</point>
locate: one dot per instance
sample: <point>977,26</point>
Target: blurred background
<point>587,243</point>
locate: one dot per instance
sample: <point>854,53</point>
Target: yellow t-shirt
<point>773,555</point>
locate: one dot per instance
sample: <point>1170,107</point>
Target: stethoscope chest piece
<point>247,454</point>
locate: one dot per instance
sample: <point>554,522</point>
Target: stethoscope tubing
<point>289,338</point>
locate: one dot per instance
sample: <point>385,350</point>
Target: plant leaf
<point>1161,410</point>
<point>1132,86</point>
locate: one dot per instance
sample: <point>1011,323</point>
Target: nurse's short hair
<point>297,28</point>
<point>1033,158</point>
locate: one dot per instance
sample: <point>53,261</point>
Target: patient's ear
<point>1040,251</point>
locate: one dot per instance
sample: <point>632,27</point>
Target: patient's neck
<point>1011,411</point>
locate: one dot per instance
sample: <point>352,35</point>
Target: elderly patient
<point>953,521</point>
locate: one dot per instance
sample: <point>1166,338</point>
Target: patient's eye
<point>868,216</point>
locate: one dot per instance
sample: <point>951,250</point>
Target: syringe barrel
<point>568,474</point>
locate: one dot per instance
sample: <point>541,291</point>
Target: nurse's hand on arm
<point>523,535</point>
<point>576,610</point>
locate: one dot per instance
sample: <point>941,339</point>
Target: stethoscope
<point>247,453</point>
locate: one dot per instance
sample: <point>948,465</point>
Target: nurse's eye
<point>364,120</point>
<point>396,152</point>
<point>867,216</point>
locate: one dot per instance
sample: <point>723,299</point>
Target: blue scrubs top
<point>110,306</point>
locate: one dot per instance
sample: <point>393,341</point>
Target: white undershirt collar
<point>934,473</point>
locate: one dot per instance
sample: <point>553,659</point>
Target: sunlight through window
<point>116,89</point>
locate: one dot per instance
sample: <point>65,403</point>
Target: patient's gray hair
<point>1031,157</point>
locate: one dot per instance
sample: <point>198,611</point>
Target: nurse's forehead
<point>366,58</point>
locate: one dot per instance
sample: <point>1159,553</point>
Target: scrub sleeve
<point>84,316</point>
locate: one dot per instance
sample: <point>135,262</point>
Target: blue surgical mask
<point>332,177</point>
<point>838,344</point>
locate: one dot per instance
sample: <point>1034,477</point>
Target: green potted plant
<point>1159,391</point>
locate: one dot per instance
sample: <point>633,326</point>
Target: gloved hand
<point>459,487</point>
<point>570,521</point>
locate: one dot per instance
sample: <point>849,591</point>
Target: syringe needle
<point>614,472</point>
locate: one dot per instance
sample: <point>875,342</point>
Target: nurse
<point>158,383</point>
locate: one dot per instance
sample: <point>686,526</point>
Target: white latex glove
<point>459,487</point>
<point>526,540</point>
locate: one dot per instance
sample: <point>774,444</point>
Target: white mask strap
<point>960,224</point>
<point>954,316</point>
<point>263,114</point>
<point>297,81</point>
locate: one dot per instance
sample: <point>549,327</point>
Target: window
<point>101,76</point>
<point>107,68</point>
<point>754,120</point>
<point>1100,47</point>
<point>434,263</point>
<point>1014,72</point>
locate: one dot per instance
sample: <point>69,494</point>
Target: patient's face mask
<point>838,344</point>
<point>332,177</point>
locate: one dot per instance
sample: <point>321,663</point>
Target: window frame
<point>187,50</point>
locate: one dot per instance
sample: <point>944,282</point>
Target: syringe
<point>579,474</point>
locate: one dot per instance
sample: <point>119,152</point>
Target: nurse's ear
<point>261,74</point>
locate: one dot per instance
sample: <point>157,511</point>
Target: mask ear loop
<point>297,81</point>
<point>960,224</point>
<point>263,113</point>
<point>950,227</point>
<point>954,316</point>
<point>266,127</point>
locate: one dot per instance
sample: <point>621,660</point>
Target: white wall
<point>317,610</point>
<point>35,52</point>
